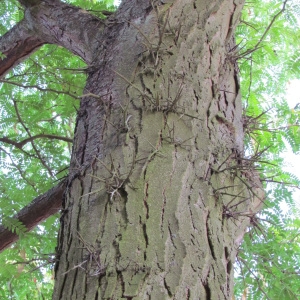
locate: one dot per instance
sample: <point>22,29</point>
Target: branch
<point>31,141</point>
<point>265,32</point>
<point>38,210</point>
<point>22,173</point>
<point>272,22</point>
<point>29,3</point>
<point>21,144</point>
<point>38,88</point>
<point>16,45</point>
<point>50,22</point>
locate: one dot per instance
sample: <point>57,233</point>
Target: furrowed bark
<point>38,210</point>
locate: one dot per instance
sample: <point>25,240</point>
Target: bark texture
<point>38,210</point>
<point>16,45</point>
<point>158,197</point>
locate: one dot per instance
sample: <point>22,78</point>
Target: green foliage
<point>10,14</point>
<point>39,98</point>
<point>268,261</point>
<point>2,56</point>
<point>14,225</point>
<point>28,273</point>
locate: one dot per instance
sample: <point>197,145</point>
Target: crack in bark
<point>97,294</point>
<point>197,101</point>
<point>207,290</point>
<point>163,211</point>
<point>190,211</point>
<point>171,236</point>
<point>144,228</point>
<point>86,136</point>
<point>64,279</point>
<point>188,294</point>
<point>193,268</point>
<point>228,268</point>
<point>145,200</point>
<point>145,236</point>
<point>168,289</point>
<point>73,282</point>
<point>124,195</point>
<point>122,282</point>
<point>210,242</point>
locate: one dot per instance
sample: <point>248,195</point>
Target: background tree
<point>158,166</point>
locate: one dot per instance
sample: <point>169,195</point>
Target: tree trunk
<point>159,194</point>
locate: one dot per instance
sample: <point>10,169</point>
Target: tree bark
<point>159,194</point>
<point>16,45</point>
<point>37,211</point>
<point>163,197</point>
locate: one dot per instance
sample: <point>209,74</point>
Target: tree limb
<point>21,144</point>
<point>16,45</point>
<point>38,210</point>
<point>38,88</point>
<point>50,22</point>
<point>21,172</point>
<point>265,32</point>
<point>28,3</point>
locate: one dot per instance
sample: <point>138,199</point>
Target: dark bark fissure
<point>167,288</point>
<point>207,291</point>
<point>209,239</point>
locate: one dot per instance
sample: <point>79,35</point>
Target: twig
<point>265,33</point>
<point>32,143</point>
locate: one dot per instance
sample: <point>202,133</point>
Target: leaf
<point>14,225</point>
